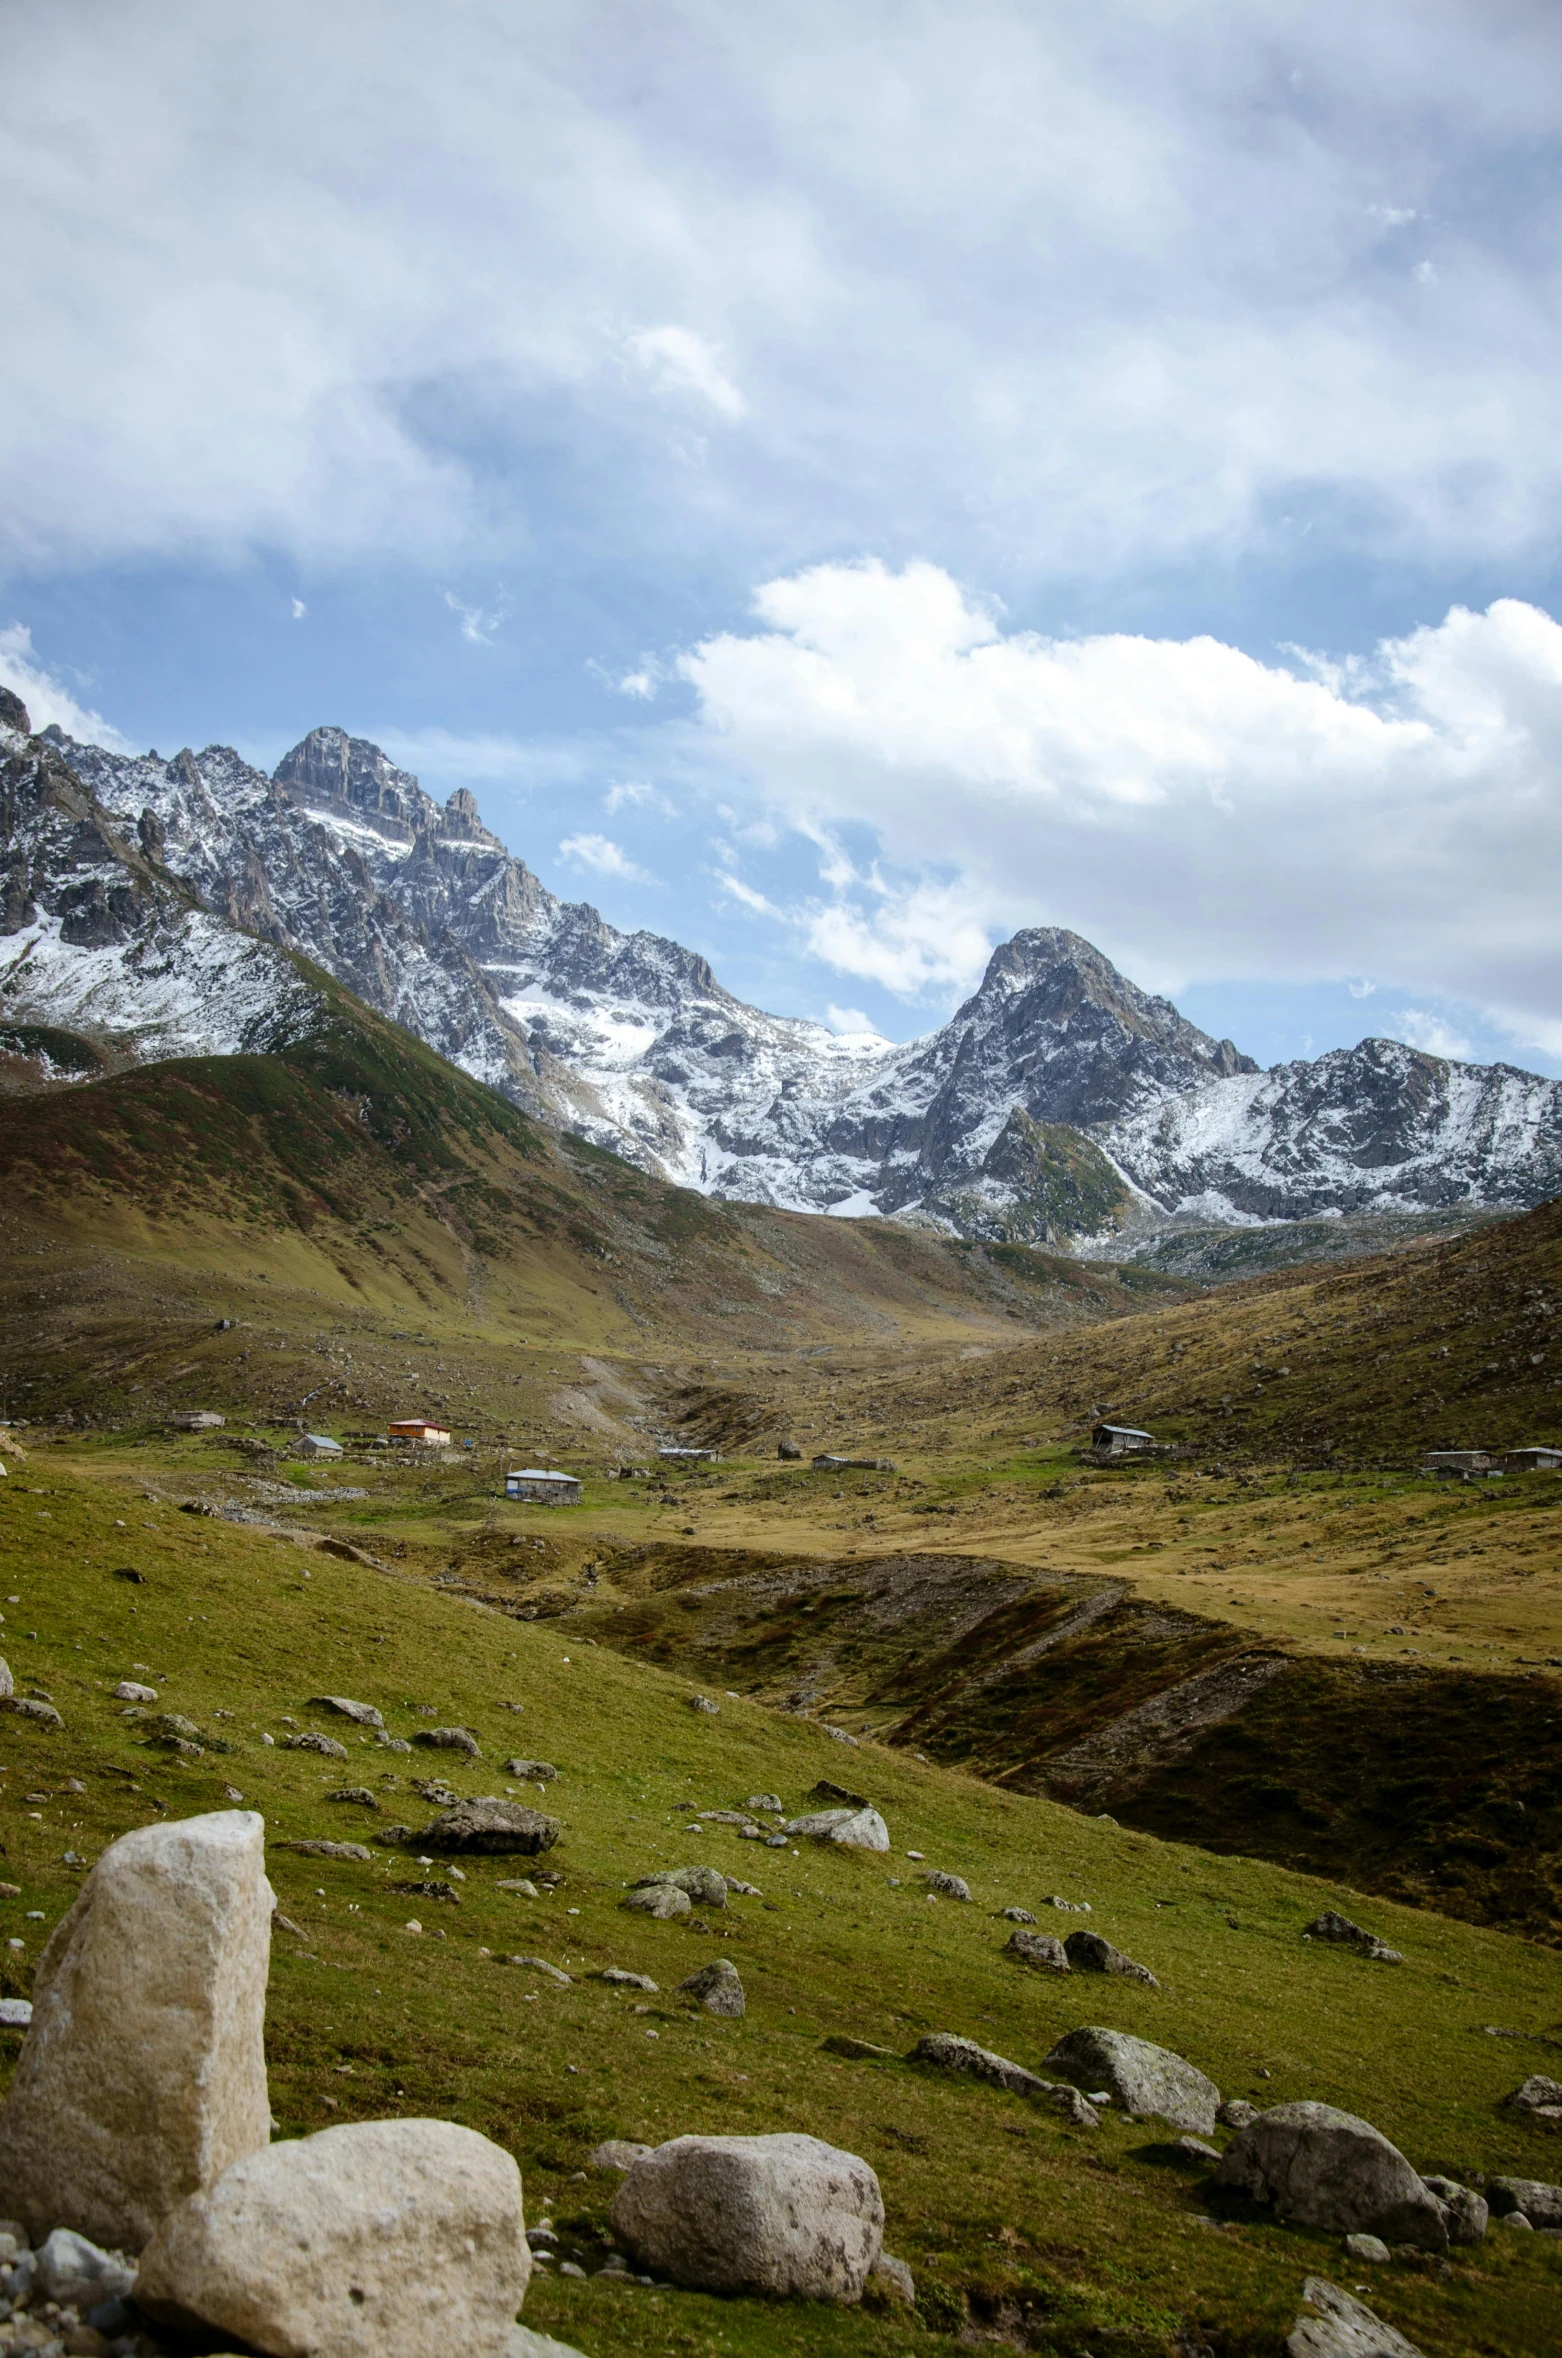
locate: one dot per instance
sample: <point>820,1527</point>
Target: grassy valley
<point>1017,2227</point>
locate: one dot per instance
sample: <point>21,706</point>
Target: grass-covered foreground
<point>1060,2240</point>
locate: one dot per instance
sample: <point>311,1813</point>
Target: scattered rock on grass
<point>130,1690</point>
<point>520,1884</point>
<point>15,2013</point>
<point>661,1900</point>
<point>767,1801</point>
<point>1342,2327</point>
<point>364,1714</point>
<point>330,1850</point>
<point>624,1980</point>
<point>1149,2082</point>
<point>1368,2248</point>
<point>31,1707</point>
<point>1333,1927</point>
<point>143,2073</point>
<point>358,1795</point>
<point>379,2239</point>
<point>535,1772</point>
<point>619,2153</point>
<point>953,1887</point>
<point>784,2216</point>
<point>1465,2213</point>
<point>1043,1950</point>
<point>1090,1952</point>
<point>1539,2097</point>
<point>701,1883</point>
<point>1325,2168</point>
<point>490,1826</point>
<point>704,1703</point>
<point>311,1740</point>
<point>1236,2113</point>
<point>895,2278</point>
<point>541,1965</point>
<point>717,1987</point>
<point>946,2051</point>
<point>1016,1915</point>
<point>860,1829</point>
<point>450,1740</point>
<point>1529,2198</point>
<point>857,2050</point>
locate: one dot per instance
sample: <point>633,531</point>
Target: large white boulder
<point>1326,2169</point>
<point>773,2215</point>
<point>380,2239</point>
<point>143,2072</point>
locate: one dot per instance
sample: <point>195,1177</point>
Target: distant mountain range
<point>147,909</point>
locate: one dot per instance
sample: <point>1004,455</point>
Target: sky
<point>839,483</point>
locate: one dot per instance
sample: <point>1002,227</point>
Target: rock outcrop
<point>142,2077</point>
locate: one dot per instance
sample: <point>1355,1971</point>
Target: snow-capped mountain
<point>96,941</point>
<point>1378,1128</point>
<point>1059,1101</point>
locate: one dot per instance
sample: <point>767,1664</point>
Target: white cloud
<point>847,1020</point>
<point>678,361</point>
<point>748,898</point>
<point>357,281</point>
<point>479,623</point>
<point>299,609</point>
<point>1424,1030</point>
<point>1197,812</point>
<point>1361,988</point>
<point>603,857</point>
<point>49,703</point>
<point>636,794</point>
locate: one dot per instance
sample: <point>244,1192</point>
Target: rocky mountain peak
<point>351,776</point>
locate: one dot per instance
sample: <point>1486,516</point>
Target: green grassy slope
<point>1446,1345</point>
<point>357,1169</point>
<point>1068,2240</point>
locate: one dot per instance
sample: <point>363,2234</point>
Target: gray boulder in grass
<point>947,2051</point>
<point>1043,1951</point>
<point>718,1987</point>
<point>1091,1952</point>
<point>1466,2214</point>
<point>661,1900</point>
<point>379,2239</point>
<point>363,1715</point>
<point>1340,2326</point>
<point>143,2072</point>
<point>785,2216</point>
<point>1537,2096</point>
<point>1149,2082</point>
<point>1331,1926</point>
<point>1324,2168</point>
<point>491,1827</point>
<point>1530,2197</point>
<point>701,1883</point>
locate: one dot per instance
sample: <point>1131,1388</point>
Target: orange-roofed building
<point>419,1431</point>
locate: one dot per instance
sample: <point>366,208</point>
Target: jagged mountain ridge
<point>1059,1102</point>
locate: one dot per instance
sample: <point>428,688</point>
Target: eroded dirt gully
<point>1437,1785</point>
